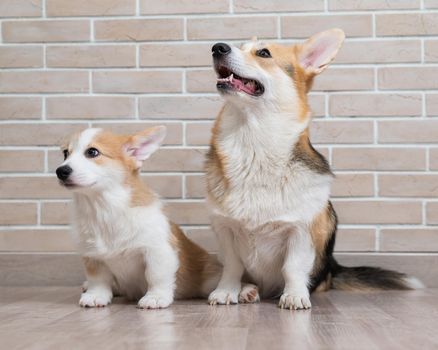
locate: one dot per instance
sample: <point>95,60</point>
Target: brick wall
<point>125,64</point>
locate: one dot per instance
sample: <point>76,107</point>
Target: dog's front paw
<point>294,302</point>
<point>223,297</point>
<point>95,299</point>
<point>155,300</point>
<point>249,294</point>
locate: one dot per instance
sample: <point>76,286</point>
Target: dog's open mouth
<point>228,80</point>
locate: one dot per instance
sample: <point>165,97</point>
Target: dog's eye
<point>65,152</point>
<point>263,53</point>
<point>92,152</point>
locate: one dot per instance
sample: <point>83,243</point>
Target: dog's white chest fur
<point>264,185</point>
<point>120,236</point>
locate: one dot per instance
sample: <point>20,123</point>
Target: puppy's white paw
<point>223,297</point>
<point>249,294</point>
<point>155,300</point>
<point>94,299</point>
<point>294,302</point>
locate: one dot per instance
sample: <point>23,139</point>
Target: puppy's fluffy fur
<point>128,245</point>
<point>268,186</point>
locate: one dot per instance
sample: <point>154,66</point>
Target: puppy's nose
<point>63,172</point>
<point>220,49</point>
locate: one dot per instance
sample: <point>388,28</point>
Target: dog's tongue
<point>249,87</point>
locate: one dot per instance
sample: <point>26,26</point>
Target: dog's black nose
<point>63,172</point>
<point>220,49</point>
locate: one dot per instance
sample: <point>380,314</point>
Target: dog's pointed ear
<point>319,50</point>
<point>142,145</point>
<point>254,39</point>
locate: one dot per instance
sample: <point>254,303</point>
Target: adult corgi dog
<point>127,243</point>
<point>269,188</point>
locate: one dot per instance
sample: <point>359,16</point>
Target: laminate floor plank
<point>50,318</point>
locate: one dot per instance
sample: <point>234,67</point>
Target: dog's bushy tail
<point>366,278</point>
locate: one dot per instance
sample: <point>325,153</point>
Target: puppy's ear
<point>319,50</point>
<point>140,146</point>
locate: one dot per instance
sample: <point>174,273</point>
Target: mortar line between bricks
<point>377,239</point>
<point>318,13</point>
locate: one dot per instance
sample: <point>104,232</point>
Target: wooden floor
<point>49,318</point>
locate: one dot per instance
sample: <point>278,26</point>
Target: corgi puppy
<point>269,188</point>
<point>127,243</point>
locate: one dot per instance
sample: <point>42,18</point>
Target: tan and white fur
<point>128,245</point>
<point>269,189</point>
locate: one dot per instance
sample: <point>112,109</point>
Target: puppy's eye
<point>263,53</point>
<point>65,152</point>
<point>92,152</point>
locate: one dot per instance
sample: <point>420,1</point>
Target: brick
<point>355,240</point>
<point>45,31</point>
<point>65,8</point>
<point>375,105</point>
<point>431,4</point>
<point>305,26</point>
<point>176,160</point>
<point>317,105</point>
<point>34,187</point>
<point>379,159</point>
<point>198,134</point>
<point>139,29</point>
<point>353,185</point>
<point>195,186</point>
<point>357,5</point>
<point>55,213</point>
<point>201,80</point>
<point>150,7</point>
<point>36,240</point>
<point>91,56</point>
<point>408,131</point>
<point>44,134</point>
<point>167,186</point>
<point>422,185</point>
<point>431,50</point>
<point>173,135</point>
<point>433,158</point>
<point>21,161</point>
<point>21,8</point>
<point>409,240</point>
<point>432,213</point>
<point>43,81</point>
<point>402,24</point>
<point>378,212</point>
<point>250,6</point>
<point>137,81</point>
<point>188,213</point>
<point>18,213</point>
<point>21,57</point>
<point>382,51</point>
<point>432,105</point>
<point>223,28</point>
<point>95,107</point>
<point>339,79</point>
<point>341,131</point>
<point>407,78</point>
<point>180,107</point>
<point>20,107</point>
<point>175,55</point>
<point>205,237</point>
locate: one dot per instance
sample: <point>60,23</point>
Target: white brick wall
<point>124,64</point>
